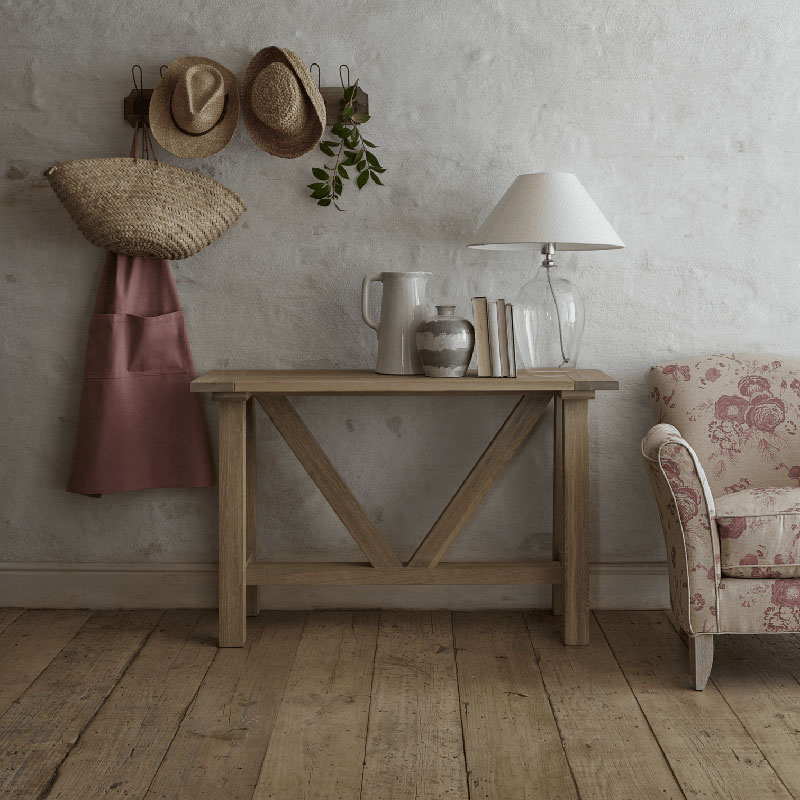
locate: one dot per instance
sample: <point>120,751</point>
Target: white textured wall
<point>680,118</point>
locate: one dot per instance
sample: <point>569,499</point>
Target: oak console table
<point>240,571</point>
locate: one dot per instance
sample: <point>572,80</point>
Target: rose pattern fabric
<point>731,409</point>
<point>759,532</point>
<point>740,413</point>
<point>792,472</point>
<point>685,506</point>
<point>766,605</point>
<point>765,413</point>
<point>731,527</point>
<point>754,385</point>
<point>786,594</point>
<point>688,501</point>
<point>676,550</point>
<point>751,502</point>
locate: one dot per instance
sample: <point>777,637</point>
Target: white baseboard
<point>55,585</point>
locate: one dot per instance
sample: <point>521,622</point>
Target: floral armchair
<point>724,464</point>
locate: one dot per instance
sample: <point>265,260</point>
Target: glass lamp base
<point>548,321</point>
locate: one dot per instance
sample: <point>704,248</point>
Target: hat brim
<point>169,135</point>
<point>275,142</point>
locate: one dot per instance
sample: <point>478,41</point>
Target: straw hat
<point>194,109</point>
<point>281,103</point>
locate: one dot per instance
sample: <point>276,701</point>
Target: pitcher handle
<point>365,299</point>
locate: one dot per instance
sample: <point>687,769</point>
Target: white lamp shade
<point>546,207</point>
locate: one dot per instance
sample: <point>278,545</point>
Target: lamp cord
<point>564,358</point>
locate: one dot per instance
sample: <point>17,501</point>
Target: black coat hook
<point>136,106</point>
<point>139,87</point>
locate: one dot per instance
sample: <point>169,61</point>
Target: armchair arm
<point>690,531</point>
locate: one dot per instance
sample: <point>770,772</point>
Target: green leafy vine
<point>352,150</point>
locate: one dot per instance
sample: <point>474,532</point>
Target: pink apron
<point>139,427</point>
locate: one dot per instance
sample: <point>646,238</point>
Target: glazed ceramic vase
<point>445,343</point>
<point>404,307</point>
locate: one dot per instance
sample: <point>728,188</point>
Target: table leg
<point>232,518</point>
<point>558,499</point>
<point>575,552</point>
<point>253,605</point>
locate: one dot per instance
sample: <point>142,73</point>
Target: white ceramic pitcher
<point>404,307</point>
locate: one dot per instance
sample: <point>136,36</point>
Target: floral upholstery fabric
<point>765,605</point>
<point>685,506</point>
<point>735,419</point>
<point>759,532</point>
<point>740,413</point>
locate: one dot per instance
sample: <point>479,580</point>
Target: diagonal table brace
<point>514,431</point>
<point>308,452</point>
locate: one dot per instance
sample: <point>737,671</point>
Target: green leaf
<point>337,185</point>
<point>320,173</point>
<point>368,143</point>
<point>379,169</point>
<point>362,179</point>
<point>362,165</point>
<point>347,112</point>
<point>375,178</point>
<point>372,160</point>
<point>316,185</point>
<point>340,130</point>
<point>360,117</point>
<point>327,150</point>
<point>348,93</point>
<point>329,143</point>
<point>343,172</point>
<point>318,193</point>
<point>354,137</point>
<point>324,202</point>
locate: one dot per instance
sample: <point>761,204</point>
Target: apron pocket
<point>125,345</point>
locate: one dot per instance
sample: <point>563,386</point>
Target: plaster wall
<point>681,119</point>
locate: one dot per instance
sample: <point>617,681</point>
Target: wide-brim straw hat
<point>281,103</point>
<point>194,109</point>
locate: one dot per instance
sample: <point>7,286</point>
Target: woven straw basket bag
<point>141,207</point>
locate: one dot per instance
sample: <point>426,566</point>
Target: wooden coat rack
<point>136,106</point>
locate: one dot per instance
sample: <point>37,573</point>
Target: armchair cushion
<point>759,532</point>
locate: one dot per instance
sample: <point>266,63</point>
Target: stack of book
<point>494,338</point>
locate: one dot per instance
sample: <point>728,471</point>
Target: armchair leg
<point>701,657</point>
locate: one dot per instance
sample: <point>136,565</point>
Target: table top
<point>353,381</point>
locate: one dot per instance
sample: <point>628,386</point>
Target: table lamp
<point>547,211</point>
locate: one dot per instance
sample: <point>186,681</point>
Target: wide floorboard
<point>389,705</point>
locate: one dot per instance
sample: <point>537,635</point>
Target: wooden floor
<point>384,705</point>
